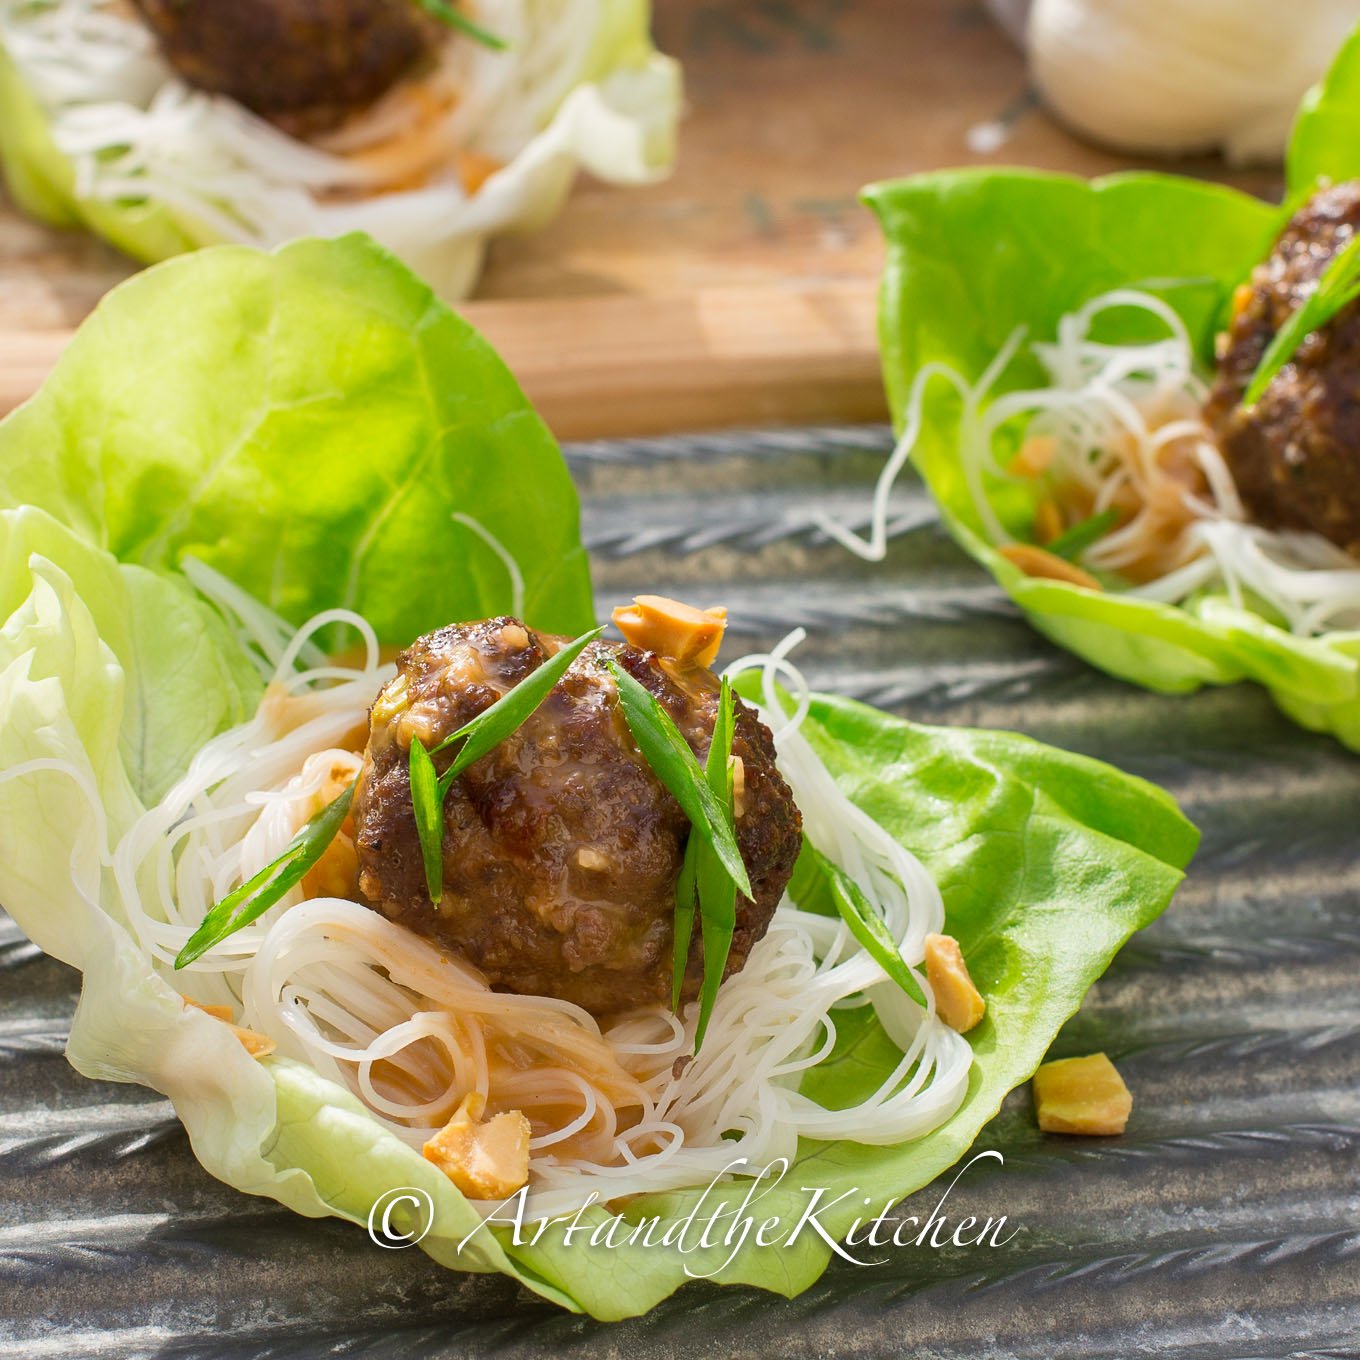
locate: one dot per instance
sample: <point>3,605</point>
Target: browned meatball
<point>306,64</point>
<point>1296,454</point>
<point>561,846</point>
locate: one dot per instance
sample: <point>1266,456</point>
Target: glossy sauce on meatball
<point>561,846</point>
<point>1295,455</point>
<point>305,64</point>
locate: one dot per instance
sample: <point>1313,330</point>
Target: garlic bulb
<point>1184,75</point>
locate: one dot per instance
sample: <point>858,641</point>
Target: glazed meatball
<point>561,846</point>
<point>1295,456</point>
<point>305,64</point>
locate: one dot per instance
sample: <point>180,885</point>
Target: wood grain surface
<point>741,289</point>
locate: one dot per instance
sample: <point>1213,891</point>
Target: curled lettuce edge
<point>618,122</point>
<point>1063,241</point>
<point>113,671</point>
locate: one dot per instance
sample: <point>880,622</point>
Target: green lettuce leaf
<point>608,105</point>
<point>973,254</point>
<point>193,414</point>
<point>317,415</point>
<point>1325,140</point>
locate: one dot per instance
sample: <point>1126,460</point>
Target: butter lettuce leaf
<point>307,423</point>
<point>974,254</point>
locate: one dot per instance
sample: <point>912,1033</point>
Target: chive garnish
<point>446,14</point>
<point>485,732</point>
<point>428,805</point>
<point>1338,286</point>
<point>1071,543</point>
<point>255,896</point>
<point>705,795</point>
<point>492,725</point>
<point>717,891</point>
<point>686,890</point>
<point>673,763</point>
<point>866,925</point>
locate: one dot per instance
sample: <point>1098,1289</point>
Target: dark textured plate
<point>1226,1222</point>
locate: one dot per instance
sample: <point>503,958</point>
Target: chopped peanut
<point>957,1002</point>
<point>687,635</point>
<point>336,873</point>
<point>1048,523</point>
<point>1241,296</point>
<point>1034,456</point>
<point>484,1160</point>
<point>1081,1095</point>
<point>217,1012</point>
<point>1047,566</point>
<point>474,170</point>
<point>256,1044</point>
<point>590,859</point>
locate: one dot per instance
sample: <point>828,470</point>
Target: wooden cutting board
<point>741,291</point>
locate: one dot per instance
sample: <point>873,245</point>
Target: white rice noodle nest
<point>411,1030</point>
<point>577,87</point>
<point>1104,412</point>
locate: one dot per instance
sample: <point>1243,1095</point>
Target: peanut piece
<point>256,1044</point>
<point>1034,456</point>
<point>336,873</point>
<point>1048,522</point>
<point>217,1012</point>
<point>669,628</point>
<point>957,1001</point>
<point>484,1160</point>
<point>1081,1095</point>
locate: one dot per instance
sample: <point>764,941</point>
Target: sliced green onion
<point>255,896</point>
<point>483,734</point>
<point>866,925</point>
<point>686,888</point>
<point>492,725</point>
<point>717,891</point>
<point>446,14</point>
<point>1338,287</point>
<point>428,806</point>
<point>673,763</point>
<point>1071,543</point>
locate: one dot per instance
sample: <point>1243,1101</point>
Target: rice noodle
<point>1120,428</point>
<point>411,1030</point>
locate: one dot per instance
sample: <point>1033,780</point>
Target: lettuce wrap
<point>96,131</point>
<point>307,423</point>
<point>974,254</point>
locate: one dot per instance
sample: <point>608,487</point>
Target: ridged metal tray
<point>1225,1223</point>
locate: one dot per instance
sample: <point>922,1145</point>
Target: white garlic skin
<point>1184,76</point>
